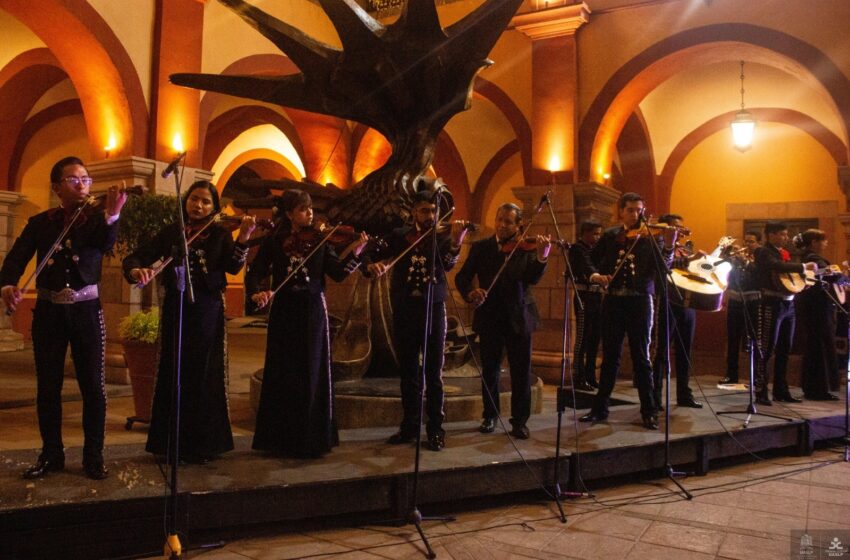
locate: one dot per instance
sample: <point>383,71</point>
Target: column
<point>9,339</point>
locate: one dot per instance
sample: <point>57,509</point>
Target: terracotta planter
<point>141,363</point>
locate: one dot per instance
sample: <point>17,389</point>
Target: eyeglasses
<point>77,181</point>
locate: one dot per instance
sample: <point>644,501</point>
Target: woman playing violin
<point>204,418</point>
<point>816,310</point>
<point>295,415</point>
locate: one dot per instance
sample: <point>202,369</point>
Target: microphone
<point>543,201</point>
<point>172,167</point>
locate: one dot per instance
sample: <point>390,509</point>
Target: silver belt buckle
<point>65,296</point>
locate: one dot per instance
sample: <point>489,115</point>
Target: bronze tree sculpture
<point>405,80</point>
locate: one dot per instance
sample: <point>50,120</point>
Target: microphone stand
<point>665,275</point>
<point>754,349</point>
<point>415,516</point>
<point>183,279</point>
<point>847,385</point>
<point>563,394</point>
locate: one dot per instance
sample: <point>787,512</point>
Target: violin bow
<point>520,233</point>
<point>301,264</point>
<point>56,245</point>
<point>416,242</point>
<point>189,241</point>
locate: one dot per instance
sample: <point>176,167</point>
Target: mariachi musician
<point>626,263</point>
<point>817,309</point>
<point>682,325</point>
<point>587,306</point>
<point>742,303</point>
<point>67,309</point>
<point>776,312</point>
<point>506,266</point>
<point>409,285</point>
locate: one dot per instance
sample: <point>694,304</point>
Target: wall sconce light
<point>113,143</point>
<point>743,124</point>
<point>177,143</point>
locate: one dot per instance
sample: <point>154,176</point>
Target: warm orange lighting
<point>177,143</point>
<point>554,163</point>
<point>113,143</point>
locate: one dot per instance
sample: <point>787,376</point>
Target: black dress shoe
<point>520,431</point>
<point>593,417</point>
<point>487,426</point>
<point>43,466</point>
<point>436,441</point>
<point>650,421</point>
<point>592,383</point>
<point>728,380</point>
<point>764,401</point>
<point>787,398</point>
<point>689,403</point>
<point>400,437</point>
<point>95,469</point>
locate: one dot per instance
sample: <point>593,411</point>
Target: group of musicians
<point>618,278</point>
<point>618,282</point>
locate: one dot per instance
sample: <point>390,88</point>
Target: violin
<point>232,223</point>
<point>654,229</point>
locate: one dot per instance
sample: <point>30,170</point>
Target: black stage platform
<point>65,515</point>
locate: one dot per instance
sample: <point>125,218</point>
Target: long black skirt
<point>204,414</point>
<point>295,417</point>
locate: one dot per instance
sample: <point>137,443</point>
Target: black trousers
<point>409,330</point>
<point>820,359</point>
<point>622,316</point>
<point>682,326</point>
<point>738,316</point>
<point>775,335</point>
<point>54,327</point>
<point>588,333</point>
<point>493,343</point>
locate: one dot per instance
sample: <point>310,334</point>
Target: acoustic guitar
<point>703,283</point>
<point>796,282</point>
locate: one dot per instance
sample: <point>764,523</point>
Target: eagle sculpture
<point>405,80</point>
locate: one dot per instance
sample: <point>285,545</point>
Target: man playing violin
<point>505,311</point>
<point>414,273</point>
<point>742,303</point>
<point>682,325</point>
<point>587,307</point>
<point>776,313</point>
<point>626,263</point>
<point>67,310</point>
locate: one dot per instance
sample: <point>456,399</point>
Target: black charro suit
<point>408,293</point>
<point>776,319</point>
<point>506,319</point>
<point>75,265</point>
<point>627,310</point>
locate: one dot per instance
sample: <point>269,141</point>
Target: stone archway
<point>627,87</point>
<point>97,64</point>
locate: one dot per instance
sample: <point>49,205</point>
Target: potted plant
<point>139,333</point>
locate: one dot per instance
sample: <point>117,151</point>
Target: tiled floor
<point>745,512</point>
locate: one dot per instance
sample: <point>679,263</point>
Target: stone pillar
<point>117,296</point>
<point>9,339</point>
<point>549,292</point>
<point>554,88</point>
<point>595,203</point>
